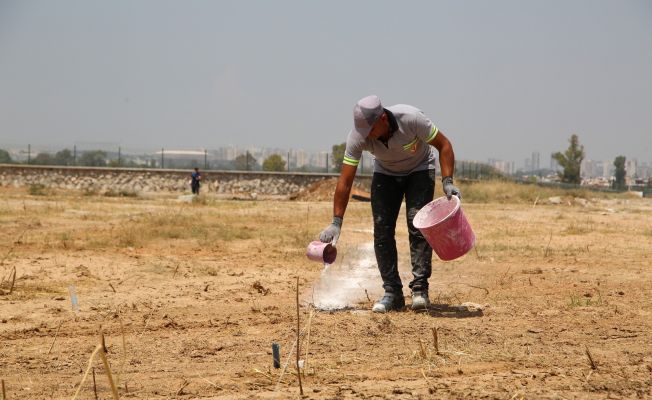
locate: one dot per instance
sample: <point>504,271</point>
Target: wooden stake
<point>13,281</point>
<point>546,252</point>
<point>90,363</point>
<point>105,361</point>
<point>102,342</point>
<point>588,354</point>
<point>123,359</point>
<point>94,385</point>
<point>435,339</point>
<point>424,355</point>
<point>183,386</point>
<point>55,337</point>
<point>4,394</point>
<point>298,341</point>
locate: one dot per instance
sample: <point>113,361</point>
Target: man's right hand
<point>332,231</point>
<point>449,189</point>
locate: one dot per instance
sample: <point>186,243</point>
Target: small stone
<point>554,200</point>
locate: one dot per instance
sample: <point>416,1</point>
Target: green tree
<point>274,163</point>
<point>337,156</point>
<point>619,163</point>
<point>93,158</point>
<point>125,164</point>
<point>245,162</point>
<point>5,157</point>
<point>43,159</point>
<point>570,161</point>
<point>64,157</point>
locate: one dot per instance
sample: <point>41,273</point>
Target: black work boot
<point>420,300</point>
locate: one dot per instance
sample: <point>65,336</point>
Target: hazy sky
<point>500,78</point>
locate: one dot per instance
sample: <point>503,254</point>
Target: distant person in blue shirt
<point>195,182</point>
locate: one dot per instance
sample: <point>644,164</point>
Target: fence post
<point>288,161</point>
<point>29,154</point>
<point>205,159</point>
<point>74,154</point>
<point>119,156</point>
<point>162,158</point>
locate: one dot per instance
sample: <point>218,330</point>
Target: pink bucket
<point>445,227</point>
<point>322,252</point>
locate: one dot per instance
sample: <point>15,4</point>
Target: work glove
<point>449,188</point>
<point>332,231</point>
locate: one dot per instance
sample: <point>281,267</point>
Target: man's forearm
<point>341,200</point>
<point>447,161</point>
<point>343,190</point>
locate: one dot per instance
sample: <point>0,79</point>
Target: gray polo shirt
<point>407,149</point>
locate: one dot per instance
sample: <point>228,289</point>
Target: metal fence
<point>241,159</point>
<point>226,158</point>
<point>230,158</point>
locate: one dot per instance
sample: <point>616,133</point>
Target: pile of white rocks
<point>143,181</point>
<point>100,182</point>
<point>266,186</point>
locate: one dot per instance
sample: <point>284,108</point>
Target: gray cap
<point>365,114</point>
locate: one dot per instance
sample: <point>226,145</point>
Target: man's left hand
<point>449,188</point>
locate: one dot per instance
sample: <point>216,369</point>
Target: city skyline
<point>535,163</point>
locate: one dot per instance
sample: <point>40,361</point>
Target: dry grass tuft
<point>510,192</point>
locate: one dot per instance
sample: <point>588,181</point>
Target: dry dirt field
<point>555,302</point>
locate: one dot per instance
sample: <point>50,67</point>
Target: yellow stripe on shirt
<point>351,161</point>
<point>407,146</point>
<point>433,133</point>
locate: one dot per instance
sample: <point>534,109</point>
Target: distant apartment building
<point>631,168</point>
<point>319,159</point>
<point>536,164</point>
<point>506,167</point>
<point>635,170</point>
<point>302,158</point>
<point>593,169</point>
<point>644,171</point>
<point>226,153</point>
<point>532,163</point>
<point>608,169</point>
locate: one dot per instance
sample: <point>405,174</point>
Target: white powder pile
<point>342,285</point>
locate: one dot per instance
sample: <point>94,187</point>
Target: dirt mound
<point>324,190</point>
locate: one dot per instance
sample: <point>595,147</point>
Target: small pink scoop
<point>322,252</point>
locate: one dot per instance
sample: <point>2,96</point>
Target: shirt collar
<point>393,125</point>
